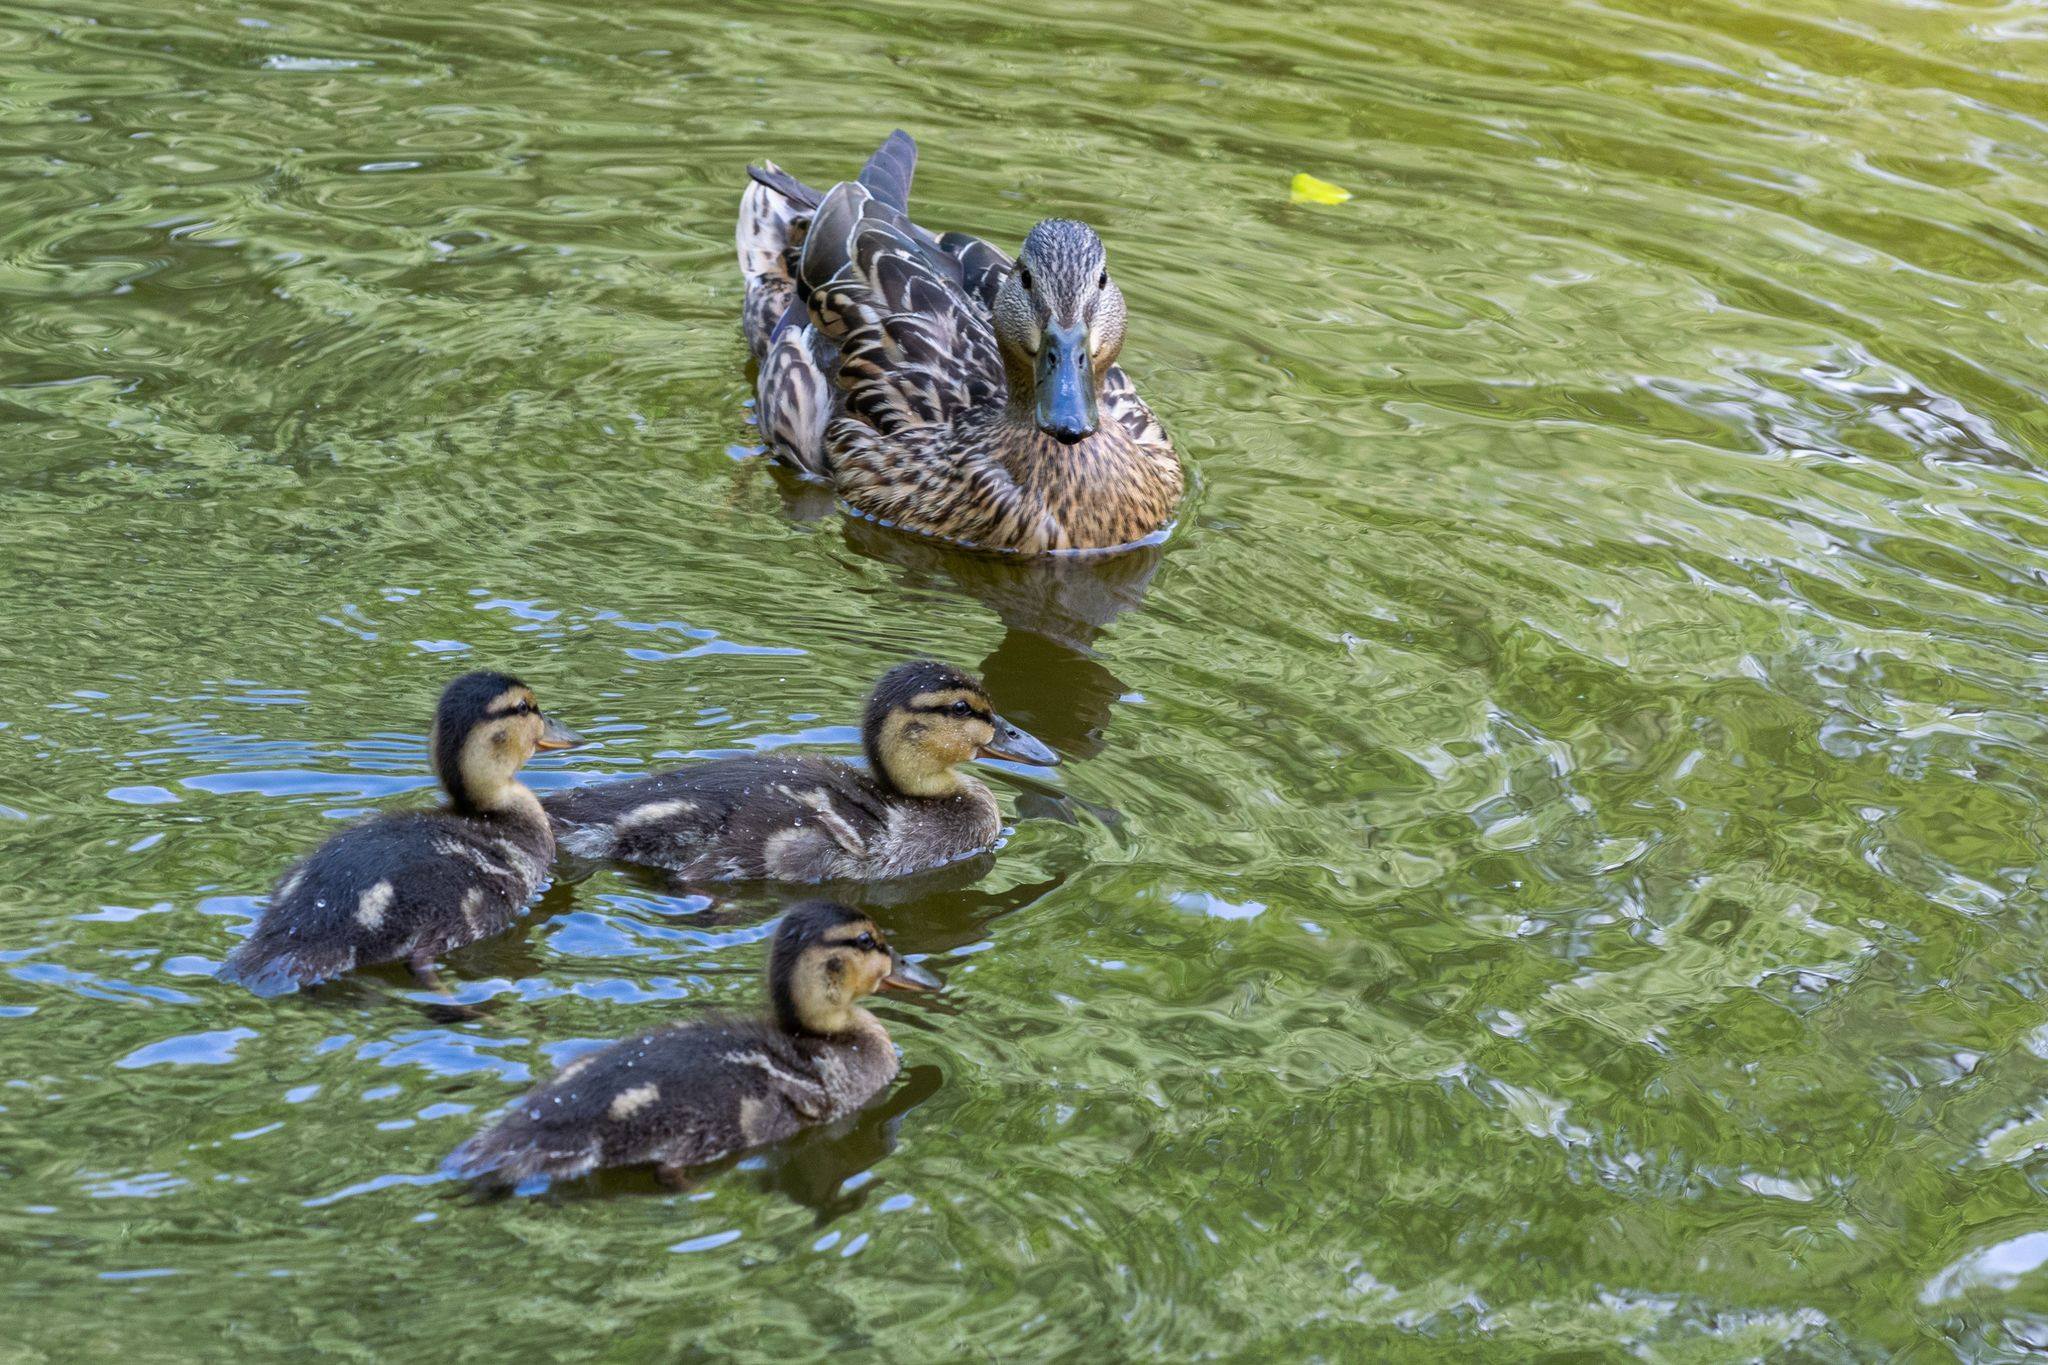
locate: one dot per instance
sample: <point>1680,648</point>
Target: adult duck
<point>939,386</point>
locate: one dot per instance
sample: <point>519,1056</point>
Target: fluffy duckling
<point>807,818</point>
<point>693,1094</point>
<point>411,885</point>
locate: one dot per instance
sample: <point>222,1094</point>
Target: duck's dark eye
<point>1102,280</point>
<point>1024,278</point>
<point>866,943</point>
<point>961,708</point>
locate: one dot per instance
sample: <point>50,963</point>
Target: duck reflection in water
<point>938,910</point>
<point>1053,609</point>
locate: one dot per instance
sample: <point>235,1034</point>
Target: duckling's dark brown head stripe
<point>465,704</point>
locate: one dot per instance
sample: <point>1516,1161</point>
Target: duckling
<point>411,885</point>
<point>692,1094</point>
<point>807,818</point>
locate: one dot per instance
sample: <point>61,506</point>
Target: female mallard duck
<point>936,387</point>
<point>693,1094</point>
<point>806,818</point>
<point>410,886</point>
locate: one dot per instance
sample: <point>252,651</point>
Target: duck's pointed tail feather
<point>888,172</point>
<point>511,1152</point>
<point>785,184</point>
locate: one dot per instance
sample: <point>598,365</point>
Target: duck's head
<point>1060,319</point>
<point>485,728</point>
<point>826,958</point>
<point>925,718</point>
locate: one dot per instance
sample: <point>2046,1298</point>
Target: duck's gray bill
<point>1067,409</point>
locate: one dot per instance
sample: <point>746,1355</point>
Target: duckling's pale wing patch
<point>914,348</point>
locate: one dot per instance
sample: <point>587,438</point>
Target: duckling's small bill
<point>555,735</point>
<point>908,976</point>
<point>1017,746</point>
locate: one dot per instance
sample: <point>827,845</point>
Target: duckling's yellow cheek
<point>965,742</point>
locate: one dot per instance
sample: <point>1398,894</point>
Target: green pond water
<point>1548,858</point>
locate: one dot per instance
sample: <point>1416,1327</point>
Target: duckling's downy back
<point>679,1097</point>
<point>402,888</point>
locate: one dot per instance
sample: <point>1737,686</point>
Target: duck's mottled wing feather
<point>769,234</point>
<point>795,394</point>
<point>983,268</point>
<point>728,818</point>
<point>914,350</point>
<point>1120,400</point>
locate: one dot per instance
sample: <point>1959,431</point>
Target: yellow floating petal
<point>1309,190</point>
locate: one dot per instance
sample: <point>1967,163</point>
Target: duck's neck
<point>850,1021</point>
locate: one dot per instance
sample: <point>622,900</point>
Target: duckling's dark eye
<point>866,943</point>
<point>1102,280</point>
<point>961,708</point>
<point>1024,278</point>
